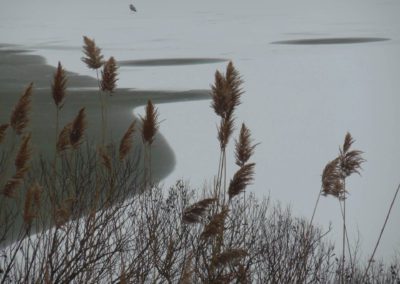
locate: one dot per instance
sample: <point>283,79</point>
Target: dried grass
<point>24,153</point>
<point>63,142</point>
<point>230,256</point>
<point>216,225</point>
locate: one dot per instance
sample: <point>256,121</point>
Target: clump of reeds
<point>334,177</point>
<point>19,116</point>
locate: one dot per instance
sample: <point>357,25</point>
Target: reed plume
<point>58,88</point>
<point>12,184</point>
<point>19,116</point>
<point>126,143</point>
<point>332,183</point>
<point>241,179</point>
<point>77,129</point>
<point>93,59</point>
<point>109,75</point>
<point>350,161</point>
<point>226,91</point>
<point>63,141</point>
<point>150,124</point>
<point>3,129</point>
<point>24,154</point>
<point>225,131</point>
<point>243,146</point>
<point>196,211</point>
<point>216,225</point>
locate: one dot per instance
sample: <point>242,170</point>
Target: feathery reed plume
<point>93,59</point>
<point>241,179</point>
<point>226,91</point>
<point>234,83</point>
<point>3,129</point>
<point>196,211</point>
<point>11,186</point>
<point>77,129</point>
<point>63,141</point>
<point>127,141</point>
<point>332,183</point>
<point>109,75</point>
<point>59,86</point>
<point>64,211</point>
<point>24,154</point>
<point>219,103</point>
<point>229,256</point>
<point>149,123</point>
<point>19,117</point>
<point>243,148</point>
<point>32,202</point>
<point>350,161</point>
<point>105,158</point>
<point>216,225</point>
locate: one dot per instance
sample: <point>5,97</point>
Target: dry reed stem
<point>58,88</point>
<point>93,59</point>
<point>32,203</point>
<point>186,276</point>
<point>241,179</point>
<point>216,225</point>
<point>126,143</point>
<point>24,153</point>
<point>229,256</point>
<point>196,211</point>
<point>109,75</point>
<point>149,123</point>
<point>3,129</point>
<point>19,116</point>
<point>63,141</point>
<point>243,146</point>
<point>78,128</point>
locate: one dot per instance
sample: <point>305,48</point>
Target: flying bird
<point>132,8</point>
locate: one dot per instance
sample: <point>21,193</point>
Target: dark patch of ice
<point>337,40</point>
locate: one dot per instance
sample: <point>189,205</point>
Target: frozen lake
<point>312,70</point>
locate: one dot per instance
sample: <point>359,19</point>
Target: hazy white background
<point>300,99</point>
